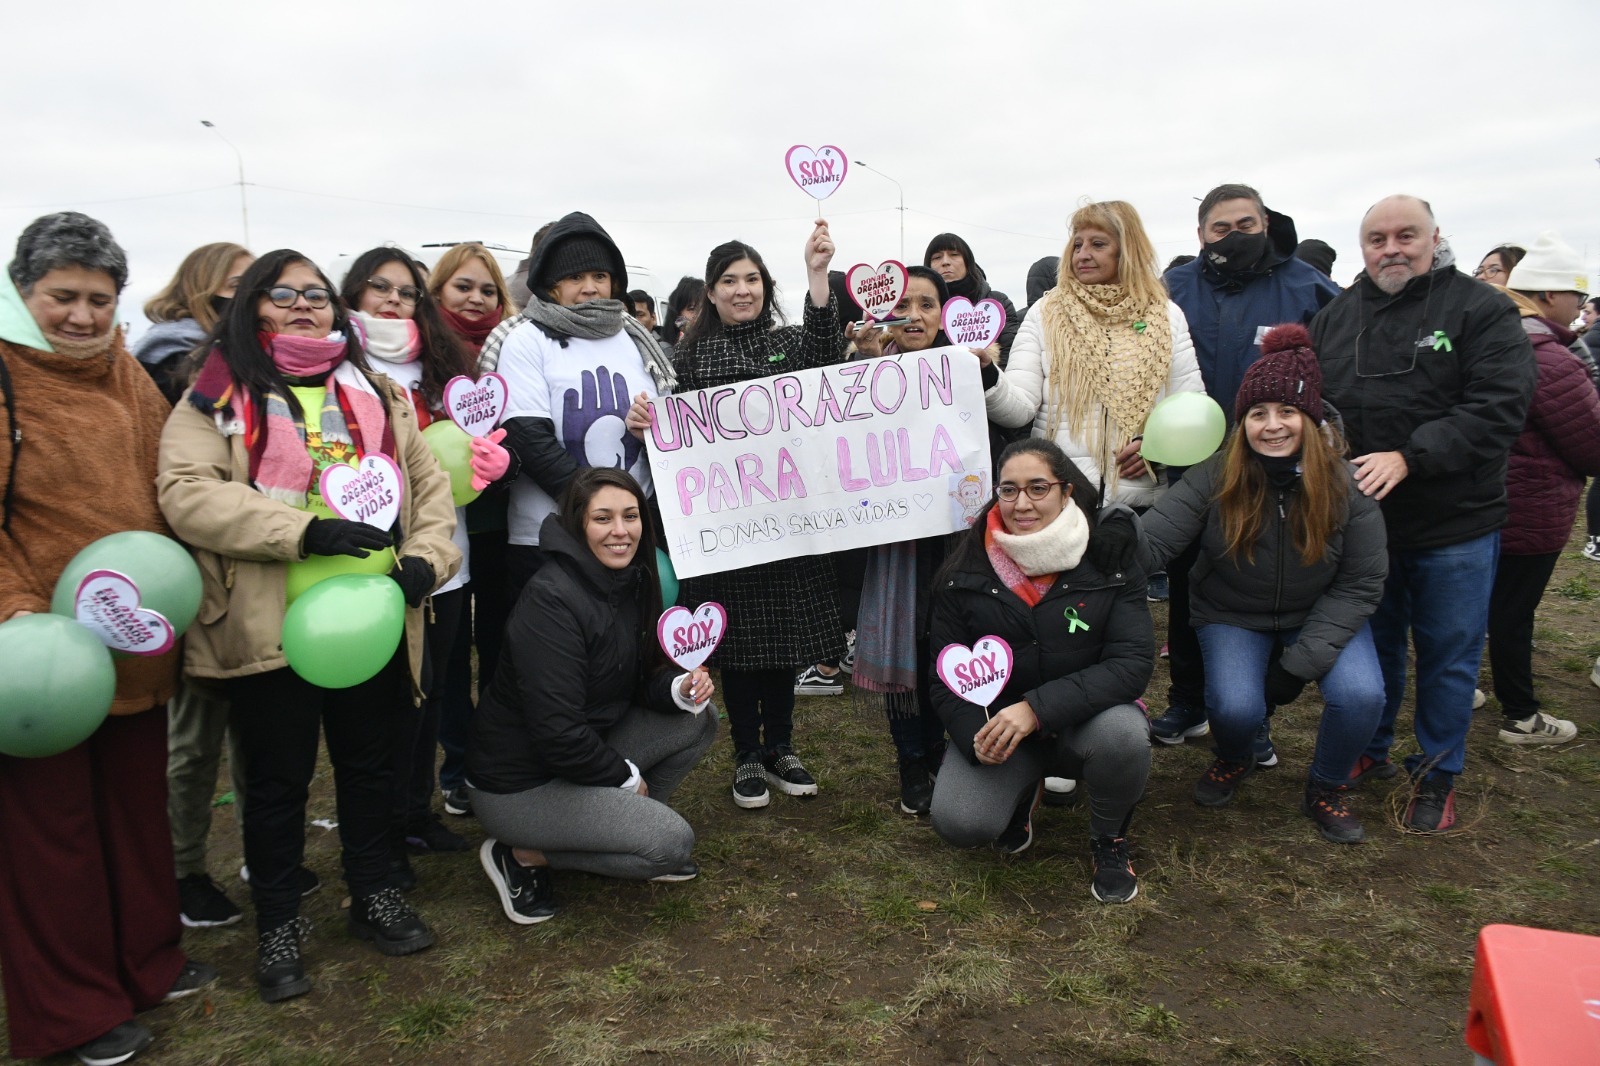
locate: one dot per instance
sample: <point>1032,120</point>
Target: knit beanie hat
<point>1287,372</point>
<point>1319,254</point>
<point>1551,265</point>
<point>578,254</point>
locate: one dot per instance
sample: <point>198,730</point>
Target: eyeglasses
<point>1493,270</point>
<point>285,296</point>
<point>1036,490</point>
<point>409,294</point>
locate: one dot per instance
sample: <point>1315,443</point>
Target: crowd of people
<point>1402,468</point>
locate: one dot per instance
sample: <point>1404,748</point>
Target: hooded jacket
<point>163,349</point>
<point>569,670</point>
<point>1442,373</point>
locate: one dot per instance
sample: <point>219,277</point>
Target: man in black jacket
<point>1433,375</point>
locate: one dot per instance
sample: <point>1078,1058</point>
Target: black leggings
<point>760,706</point>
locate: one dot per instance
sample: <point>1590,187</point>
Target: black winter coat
<point>1451,411</point>
<point>569,669</point>
<point>1328,602</point>
<point>1066,676</point>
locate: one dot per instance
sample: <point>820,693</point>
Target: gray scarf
<point>592,321</point>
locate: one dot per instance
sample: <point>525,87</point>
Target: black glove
<point>1282,686</point>
<point>415,578</point>
<point>1114,544</point>
<point>336,536</point>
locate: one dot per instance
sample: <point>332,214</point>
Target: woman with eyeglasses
<point>1082,650</point>
<point>1498,263</point>
<point>286,392</point>
<point>405,335</point>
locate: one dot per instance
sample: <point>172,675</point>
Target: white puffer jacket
<point>1020,397</point>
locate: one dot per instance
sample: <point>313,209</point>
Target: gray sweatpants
<point>197,721</point>
<point>600,829</point>
<point>1109,756</point>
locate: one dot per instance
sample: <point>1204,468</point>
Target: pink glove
<point>489,460</point>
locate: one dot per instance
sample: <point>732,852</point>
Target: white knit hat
<point>1551,265</point>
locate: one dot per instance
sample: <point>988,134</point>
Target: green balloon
<point>56,685</point>
<point>343,630</point>
<point>1183,429</point>
<point>317,568</point>
<point>669,578</point>
<point>167,578</point>
<point>452,446</point>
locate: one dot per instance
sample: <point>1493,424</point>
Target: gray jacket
<point>1328,601</point>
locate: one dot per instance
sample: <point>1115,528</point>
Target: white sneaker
<point>1591,549</point>
<point>1478,699</point>
<point>1594,675</point>
<point>1537,729</point>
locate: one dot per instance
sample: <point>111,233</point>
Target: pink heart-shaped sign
<point>976,674</point>
<point>973,325</point>
<point>108,604</point>
<point>476,406</point>
<point>819,173</point>
<point>688,637</point>
<point>877,289</point>
<point>367,492</point>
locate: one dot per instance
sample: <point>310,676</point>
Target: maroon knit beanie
<point>1287,372</point>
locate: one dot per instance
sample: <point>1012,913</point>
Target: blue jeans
<point>1236,702</point>
<point>1440,597</point>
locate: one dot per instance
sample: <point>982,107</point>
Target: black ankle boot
<point>386,919</point>
<point>279,973</point>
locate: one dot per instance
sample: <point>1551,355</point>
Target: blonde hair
<point>453,259</point>
<point>200,276</point>
<point>1136,256</point>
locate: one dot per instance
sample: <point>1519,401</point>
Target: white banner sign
<point>871,451</point>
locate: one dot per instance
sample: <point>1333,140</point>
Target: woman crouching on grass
<point>1083,650</point>
<point>587,729</point>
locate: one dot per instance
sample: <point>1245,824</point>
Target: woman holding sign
<point>1097,352</point>
<point>781,614</point>
<point>284,403</point>
<point>587,729</point>
<point>89,929</point>
<point>1040,654</point>
<point>1292,564</point>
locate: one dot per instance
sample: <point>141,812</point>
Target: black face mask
<point>220,305</point>
<point>1237,252</point>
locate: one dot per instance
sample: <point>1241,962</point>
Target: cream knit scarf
<point>1109,359</point>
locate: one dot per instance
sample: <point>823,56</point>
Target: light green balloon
<point>56,685</point>
<point>316,568</point>
<point>669,578</point>
<point>1183,429</point>
<point>452,446</point>
<point>343,630</point>
<point>166,576</point>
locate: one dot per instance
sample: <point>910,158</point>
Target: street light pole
<point>244,208</point>
<point>902,207</point>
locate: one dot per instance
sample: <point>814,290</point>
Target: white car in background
<point>509,259</point>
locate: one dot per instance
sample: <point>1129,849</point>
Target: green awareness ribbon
<point>1441,342</point>
<point>775,358</point>
<point>1074,623</point>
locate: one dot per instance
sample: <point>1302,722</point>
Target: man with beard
<point>1433,374</point>
<point>1245,281</point>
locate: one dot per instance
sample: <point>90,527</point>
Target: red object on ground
<point>1535,997</point>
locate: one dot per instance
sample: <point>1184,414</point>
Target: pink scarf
<point>303,357</point>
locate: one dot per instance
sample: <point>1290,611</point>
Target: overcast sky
<point>363,123</point>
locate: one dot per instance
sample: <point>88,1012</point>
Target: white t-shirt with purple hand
<point>585,390</point>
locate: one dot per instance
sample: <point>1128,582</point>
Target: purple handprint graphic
<point>592,428</point>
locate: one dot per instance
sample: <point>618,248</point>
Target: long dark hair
<point>237,335</point>
<point>684,295</point>
<point>444,353</point>
<point>574,510</point>
<point>708,323</point>
<point>970,550</point>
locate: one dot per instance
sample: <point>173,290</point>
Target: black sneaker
<point>119,1045</point>
<point>1433,805</point>
<point>916,786</point>
<point>687,872</point>
<point>1018,834</point>
<point>813,682</point>
<point>192,978</point>
<point>1178,724</point>
<point>1218,784</point>
<point>786,773</point>
<point>304,879</point>
<point>750,780</point>
<point>1261,746</point>
<point>848,663</point>
<point>279,972</point>
<point>386,919</point>
<point>1114,879</point>
<point>458,801</point>
<point>1376,769</point>
<point>431,835</point>
<point>525,891</point>
<point>203,905</point>
<point>1327,807</point>
<point>1060,792</point>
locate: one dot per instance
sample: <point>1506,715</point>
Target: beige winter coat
<point>242,540</point>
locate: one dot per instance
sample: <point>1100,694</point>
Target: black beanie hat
<point>1287,372</point>
<point>1316,253</point>
<point>578,254</point>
